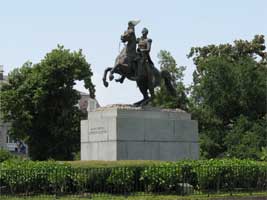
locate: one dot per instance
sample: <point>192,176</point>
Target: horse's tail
<point>168,83</point>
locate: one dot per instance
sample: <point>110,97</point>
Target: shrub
<point>17,177</point>
<point>169,177</point>
<point>162,179</point>
<point>121,180</point>
<point>27,176</point>
<point>91,179</point>
<point>5,155</point>
<point>230,174</point>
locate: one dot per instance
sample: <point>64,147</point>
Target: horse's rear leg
<point>146,99</point>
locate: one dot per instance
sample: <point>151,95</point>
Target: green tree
<point>40,102</point>
<point>247,138</point>
<point>162,97</point>
<point>229,82</point>
<point>263,154</point>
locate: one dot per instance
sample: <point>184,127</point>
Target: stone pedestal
<point>129,133</point>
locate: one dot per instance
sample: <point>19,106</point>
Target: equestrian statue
<point>134,63</point>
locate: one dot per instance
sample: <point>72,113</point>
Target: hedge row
<point>51,177</point>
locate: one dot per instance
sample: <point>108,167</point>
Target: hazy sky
<point>31,28</point>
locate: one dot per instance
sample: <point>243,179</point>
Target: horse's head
<point>128,36</point>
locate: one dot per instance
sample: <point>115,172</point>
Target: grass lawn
<point>245,196</point>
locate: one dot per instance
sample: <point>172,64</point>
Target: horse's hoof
<point>105,83</point>
<point>136,105</point>
<point>145,102</point>
<point>111,77</point>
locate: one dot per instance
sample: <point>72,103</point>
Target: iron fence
<point>90,182</point>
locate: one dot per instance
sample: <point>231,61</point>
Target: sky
<point>30,29</point>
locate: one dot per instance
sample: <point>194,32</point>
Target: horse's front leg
<point>105,76</point>
<point>116,70</point>
<point>111,76</point>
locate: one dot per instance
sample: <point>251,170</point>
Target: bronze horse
<point>126,67</point>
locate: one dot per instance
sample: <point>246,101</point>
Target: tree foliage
<point>247,138</point>
<point>229,97</point>
<point>40,102</point>
<point>162,97</point>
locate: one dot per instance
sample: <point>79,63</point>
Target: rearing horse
<point>126,65</point>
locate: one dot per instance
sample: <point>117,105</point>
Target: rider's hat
<point>145,30</point>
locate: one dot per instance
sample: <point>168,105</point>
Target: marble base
<point>122,132</point>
